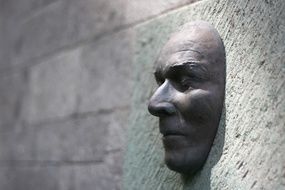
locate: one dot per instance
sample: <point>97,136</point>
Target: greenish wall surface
<point>249,149</point>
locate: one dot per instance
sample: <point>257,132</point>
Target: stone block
<point>53,87</point>
<point>39,28</point>
<point>79,140</point>
<point>23,9</point>
<point>64,177</point>
<point>76,140</point>
<point>142,10</point>
<point>117,130</point>
<point>13,87</point>
<point>62,23</point>
<point>39,34</point>
<point>106,79</point>
<point>91,177</point>
<point>17,142</point>
<point>3,45</point>
<point>17,178</point>
<point>94,17</point>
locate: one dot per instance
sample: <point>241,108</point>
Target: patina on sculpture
<point>190,72</point>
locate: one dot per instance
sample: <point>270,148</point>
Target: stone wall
<point>72,72</point>
<point>249,149</point>
<point>65,90</point>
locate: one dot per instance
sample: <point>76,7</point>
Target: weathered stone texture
<point>64,91</point>
<point>143,10</point>
<point>40,28</point>
<point>106,73</point>
<point>62,59</point>
<point>81,80</point>
<point>66,177</point>
<point>82,138</point>
<point>248,152</point>
<point>12,88</point>
<point>53,87</point>
<point>81,153</point>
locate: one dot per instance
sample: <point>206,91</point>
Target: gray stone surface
<point>143,10</point>
<point>117,131</point>
<point>40,28</point>
<point>248,152</point>
<point>22,9</point>
<point>12,87</point>
<point>63,177</point>
<point>94,17</point>
<point>81,153</point>
<point>63,119</point>
<point>53,87</point>
<point>44,31</point>
<point>82,139</point>
<point>106,73</point>
<point>77,140</point>
<point>17,178</point>
<point>93,77</point>
<point>64,91</point>
<point>39,34</point>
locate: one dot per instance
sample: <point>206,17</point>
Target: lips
<point>171,133</point>
<point>169,127</point>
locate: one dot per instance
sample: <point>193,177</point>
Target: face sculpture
<point>190,72</point>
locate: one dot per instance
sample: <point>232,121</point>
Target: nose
<point>160,103</point>
<point>161,109</point>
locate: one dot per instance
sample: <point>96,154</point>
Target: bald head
<point>196,41</point>
<point>200,37</point>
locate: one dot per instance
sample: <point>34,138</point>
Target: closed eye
<point>159,78</point>
<point>184,83</point>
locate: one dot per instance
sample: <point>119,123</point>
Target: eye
<point>159,79</point>
<point>184,83</point>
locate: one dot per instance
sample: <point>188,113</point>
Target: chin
<point>184,162</point>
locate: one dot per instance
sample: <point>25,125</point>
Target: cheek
<point>197,105</point>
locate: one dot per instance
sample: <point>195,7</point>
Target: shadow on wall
<point>202,179</point>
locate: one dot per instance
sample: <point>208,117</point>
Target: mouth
<point>169,128</point>
<point>171,134</point>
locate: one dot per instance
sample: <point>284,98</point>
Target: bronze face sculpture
<point>190,72</point>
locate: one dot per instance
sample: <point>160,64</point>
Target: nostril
<point>161,109</point>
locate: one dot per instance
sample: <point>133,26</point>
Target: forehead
<point>190,45</point>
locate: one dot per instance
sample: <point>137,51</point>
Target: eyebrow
<point>192,65</point>
<point>191,50</point>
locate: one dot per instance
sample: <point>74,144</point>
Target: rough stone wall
<point>249,149</point>
<point>65,90</point>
